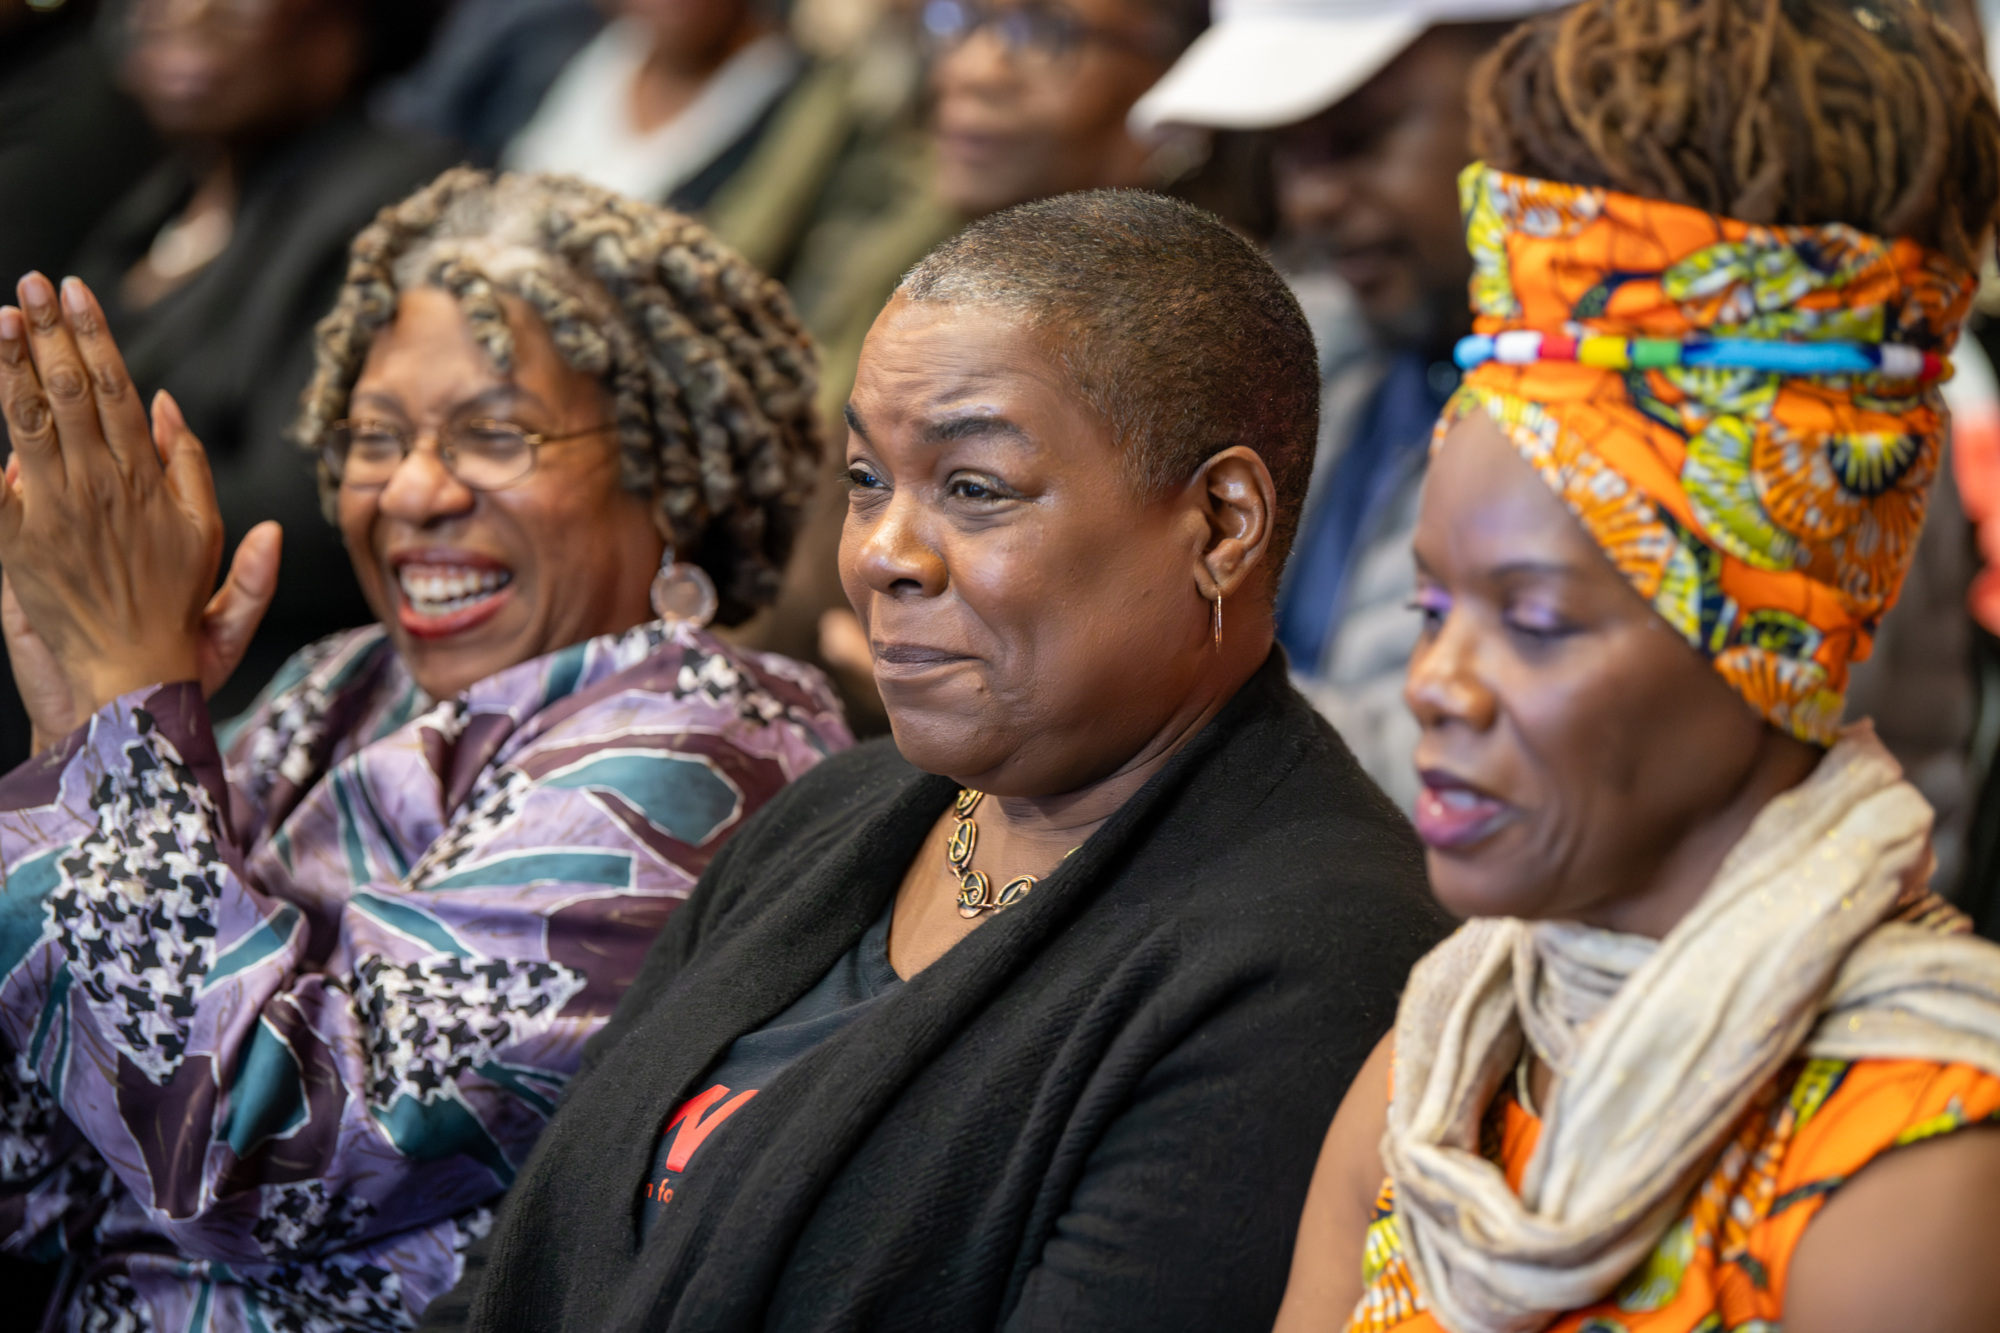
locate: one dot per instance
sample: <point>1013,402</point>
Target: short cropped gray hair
<point>1171,326</point>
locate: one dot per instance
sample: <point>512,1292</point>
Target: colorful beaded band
<point>1519,347</point>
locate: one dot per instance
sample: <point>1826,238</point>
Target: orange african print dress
<point>1722,1267</point>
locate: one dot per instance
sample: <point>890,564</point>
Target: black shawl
<point>1099,1111</point>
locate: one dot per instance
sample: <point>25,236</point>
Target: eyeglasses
<point>1042,33</point>
<point>482,454</point>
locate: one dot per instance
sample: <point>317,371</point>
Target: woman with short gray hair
<point>1032,1019</point>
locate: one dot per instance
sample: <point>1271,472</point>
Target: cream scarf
<point>1660,1045</point>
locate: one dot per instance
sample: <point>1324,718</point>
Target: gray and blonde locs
<point>711,376</point>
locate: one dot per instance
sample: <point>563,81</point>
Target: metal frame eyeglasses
<point>1046,32</point>
<point>483,454</point>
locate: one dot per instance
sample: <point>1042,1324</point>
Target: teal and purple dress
<point>283,1009</point>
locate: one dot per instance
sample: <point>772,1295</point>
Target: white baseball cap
<point>1265,63</point>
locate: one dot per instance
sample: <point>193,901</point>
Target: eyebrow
<point>946,430</point>
<point>971,426</point>
<point>495,399</point>
<point>1535,569</point>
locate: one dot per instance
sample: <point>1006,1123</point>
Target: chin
<point>1471,886</point>
<point>947,742</point>
<point>443,669</point>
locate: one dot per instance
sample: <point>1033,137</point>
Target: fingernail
<point>11,328</point>
<point>36,294</point>
<point>74,299</point>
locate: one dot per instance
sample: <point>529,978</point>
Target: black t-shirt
<point>861,977</point>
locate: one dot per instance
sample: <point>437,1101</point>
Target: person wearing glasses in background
<point>1032,98</point>
<point>284,1005</point>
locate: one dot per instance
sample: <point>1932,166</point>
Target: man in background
<point>1368,101</point>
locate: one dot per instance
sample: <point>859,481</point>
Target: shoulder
<point>1844,1115</point>
<point>689,679</point>
<point>1905,1170</point>
<point>1284,835</point>
<point>335,178</point>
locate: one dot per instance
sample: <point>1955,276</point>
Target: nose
<point>1314,197</point>
<point>892,552</point>
<point>1444,685</point>
<point>422,491</point>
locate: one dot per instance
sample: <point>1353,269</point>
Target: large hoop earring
<point>682,591</point>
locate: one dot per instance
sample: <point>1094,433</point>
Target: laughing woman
<point>283,1009</point>
<point>1707,1056</point>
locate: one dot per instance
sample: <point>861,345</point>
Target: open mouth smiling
<point>443,593</point>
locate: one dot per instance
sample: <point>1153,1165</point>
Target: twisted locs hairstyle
<point>1783,112</point>
<point>711,376</point>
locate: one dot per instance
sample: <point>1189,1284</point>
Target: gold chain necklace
<point>976,893</point>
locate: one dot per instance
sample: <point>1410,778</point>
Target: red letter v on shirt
<point>695,1127</point>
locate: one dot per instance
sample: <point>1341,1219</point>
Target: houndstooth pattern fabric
<point>365,942</point>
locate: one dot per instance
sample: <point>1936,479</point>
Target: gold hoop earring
<point>1218,622</point>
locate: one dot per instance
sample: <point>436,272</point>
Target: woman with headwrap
<point>285,1003</point>
<point>1706,1055</point>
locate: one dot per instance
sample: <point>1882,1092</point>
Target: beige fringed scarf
<point>1660,1045</point>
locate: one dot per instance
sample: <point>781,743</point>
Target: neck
<point>1052,825</point>
<point>1685,870</point>
<point>675,72</point>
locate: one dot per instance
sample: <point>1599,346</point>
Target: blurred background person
<point>666,102</point>
<point>486,71</point>
<point>215,266</point>
<point>799,144</point>
<point>1368,98</point>
<point>70,141</point>
<point>1032,98</point>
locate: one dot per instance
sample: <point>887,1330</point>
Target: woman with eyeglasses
<point>284,1004</point>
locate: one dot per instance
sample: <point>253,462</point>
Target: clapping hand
<point>109,530</point>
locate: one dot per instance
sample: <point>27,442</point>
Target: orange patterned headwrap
<point>1769,518</point>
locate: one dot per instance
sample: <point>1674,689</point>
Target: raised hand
<point>110,543</point>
